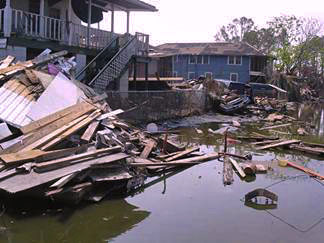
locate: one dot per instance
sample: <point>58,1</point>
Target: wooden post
<point>42,18</point>
<point>135,70</point>
<point>112,29</point>
<point>7,19</point>
<point>127,27</point>
<point>89,21</point>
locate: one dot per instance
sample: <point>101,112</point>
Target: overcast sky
<point>198,21</point>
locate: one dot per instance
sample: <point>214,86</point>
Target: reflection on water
<point>192,205</point>
<point>93,223</point>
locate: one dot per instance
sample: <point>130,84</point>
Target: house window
<point>209,75</point>
<point>176,58</point>
<point>192,59</point>
<point>234,77</point>
<point>206,59</point>
<point>200,59</point>
<point>175,74</point>
<point>235,60</point>
<point>191,75</point>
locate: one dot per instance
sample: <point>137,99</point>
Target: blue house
<point>220,60</point>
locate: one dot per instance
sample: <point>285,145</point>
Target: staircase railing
<point>94,64</point>
<point>136,45</point>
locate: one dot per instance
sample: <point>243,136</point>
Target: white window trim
<point>190,58</point>
<point>211,74</point>
<point>208,59</point>
<point>191,73</point>
<point>234,64</point>
<point>237,77</point>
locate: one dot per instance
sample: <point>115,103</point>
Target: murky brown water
<point>193,205</point>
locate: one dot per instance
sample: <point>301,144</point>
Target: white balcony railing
<point>26,24</point>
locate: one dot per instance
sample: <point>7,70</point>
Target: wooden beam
<point>7,62</point>
<point>59,163</point>
<point>237,167</point>
<point>280,144</point>
<point>110,114</point>
<point>277,126</point>
<point>88,134</point>
<point>227,172</point>
<point>71,130</point>
<point>182,154</point>
<point>49,137</point>
<point>74,111</point>
<point>148,149</point>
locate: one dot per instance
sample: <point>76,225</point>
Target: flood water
<point>193,205</point>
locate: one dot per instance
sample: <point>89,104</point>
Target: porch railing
<point>42,27</point>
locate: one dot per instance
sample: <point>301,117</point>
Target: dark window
<point>231,60</point>
<point>238,60</point>
<point>206,59</point>
<point>192,59</point>
<point>200,59</point>
<point>234,77</point>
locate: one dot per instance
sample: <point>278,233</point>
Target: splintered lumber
<point>246,157</point>
<point>64,180</point>
<point>41,133</point>
<point>182,154</point>
<point>277,126</point>
<point>170,146</point>
<point>110,114</point>
<point>38,155</point>
<point>6,62</point>
<point>32,77</point>
<point>280,144</point>
<point>71,130</point>
<point>22,182</point>
<point>75,111</point>
<point>181,162</point>
<point>310,150</point>
<point>257,138</point>
<point>228,178</point>
<point>52,135</point>
<point>148,149</point>
<point>237,167</point>
<point>88,134</point>
<point>314,145</point>
<point>59,163</point>
<point>266,142</point>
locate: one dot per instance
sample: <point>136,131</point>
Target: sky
<point>198,21</point>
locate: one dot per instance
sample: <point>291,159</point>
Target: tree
<point>235,31</point>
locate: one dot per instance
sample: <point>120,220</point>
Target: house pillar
<point>89,21</point>
<point>112,29</point>
<point>7,19</point>
<point>42,18</point>
<point>127,27</point>
<point>70,30</point>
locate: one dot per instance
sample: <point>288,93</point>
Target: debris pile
<point>60,140</point>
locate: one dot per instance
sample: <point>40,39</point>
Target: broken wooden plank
<point>180,162</point>
<point>89,133</point>
<point>280,144</point>
<point>148,148</point>
<point>266,142</point>
<point>257,138</point>
<point>277,126</point>
<point>59,163</point>
<point>228,178</point>
<point>38,155</point>
<point>43,77</point>
<point>237,167</point>
<point>182,154</point>
<point>64,180</point>
<point>7,62</point>
<point>314,144</point>
<point>170,146</point>
<point>31,76</point>
<point>110,114</point>
<point>22,182</point>
<point>309,150</point>
<point>50,137</point>
<point>77,109</point>
<point>71,130</point>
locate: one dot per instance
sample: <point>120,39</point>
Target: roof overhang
<point>124,5</point>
